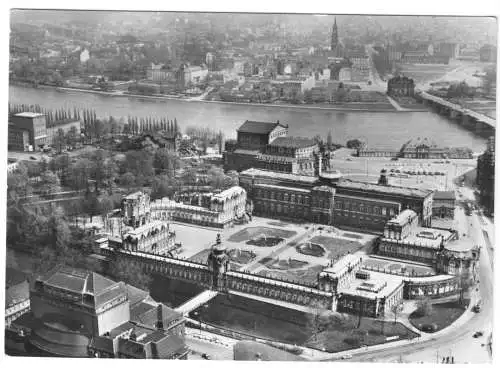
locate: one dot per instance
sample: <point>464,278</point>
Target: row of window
<point>360,207</point>
<point>283,196</point>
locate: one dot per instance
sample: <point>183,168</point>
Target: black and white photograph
<point>249,186</point>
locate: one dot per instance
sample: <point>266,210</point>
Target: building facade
<point>485,178</point>
<point>443,205</point>
<point>34,124</point>
<point>401,86</point>
<point>370,206</point>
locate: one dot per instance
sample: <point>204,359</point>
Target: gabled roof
<point>258,127</point>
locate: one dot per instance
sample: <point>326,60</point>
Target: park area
<point>260,232</point>
<point>339,332</point>
<point>334,246</point>
<point>395,267</point>
<point>434,317</point>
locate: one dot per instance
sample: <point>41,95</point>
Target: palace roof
<point>444,195</point>
<point>281,187</point>
<point>84,282</point>
<point>292,142</point>
<point>280,175</point>
<point>414,143</point>
<point>135,195</point>
<point>258,127</point>
<point>383,189</point>
<point>343,263</point>
<point>229,193</point>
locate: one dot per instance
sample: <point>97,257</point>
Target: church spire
<point>335,36</point>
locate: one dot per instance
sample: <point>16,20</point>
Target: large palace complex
<point>407,259</point>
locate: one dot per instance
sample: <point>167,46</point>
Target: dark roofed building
<point>258,134</point>
<point>77,313</point>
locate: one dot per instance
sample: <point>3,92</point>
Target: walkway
<point>198,300</point>
<point>251,266</point>
<point>395,104</point>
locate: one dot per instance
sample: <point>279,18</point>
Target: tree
<point>395,309</point>
<point>424,307</point>
<point>59,140</point>
<point>216,177</point>
<point>354,144</point>
<point>72,137</point>
<point>163,186</point>
<point>321,320</point>
<point>130,272</point>
<point>50,183</point>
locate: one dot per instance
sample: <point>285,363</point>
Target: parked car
<point>205,356</point>
<point>429,327</point>
<point>347,356</point>
<point>477,334</point>
<point>32,157</point>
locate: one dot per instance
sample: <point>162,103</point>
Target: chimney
<point>159,316</point>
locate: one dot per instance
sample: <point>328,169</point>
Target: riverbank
<point>353,108</point>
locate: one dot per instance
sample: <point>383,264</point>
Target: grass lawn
<point>352,236</point>
<point>348,336</point>
<point>252,232</point>
<point>200,257</point>
<point>442,315</point>
<point>337,247</point>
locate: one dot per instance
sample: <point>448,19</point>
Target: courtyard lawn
<point>241,256</point>
<point>352,236</point>
<point>337,247</point>
<point>442,315</point>
<point>200,257</point>
<point>252,232</point>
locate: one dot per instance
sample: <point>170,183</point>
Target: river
<point>384,129</point>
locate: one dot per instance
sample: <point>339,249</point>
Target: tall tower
<point>335,36</point>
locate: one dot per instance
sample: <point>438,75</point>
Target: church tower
<point>218,262</point>
<point>335,36</point>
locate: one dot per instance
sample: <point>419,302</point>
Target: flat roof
<point>343,263</point>
<point>460,245</point>
<point>383,189</point>
<point>381,284</point>
<point>28,114</point>
<point>280,175</point>
<point>424,237</point>
<point>449,194</point>
<point>270,186</point>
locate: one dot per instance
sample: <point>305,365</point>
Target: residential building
<point>345,74</point>
<point>443,205</point>
<point>488,53</point>
<point>194,75</point>
<point>291,85</point>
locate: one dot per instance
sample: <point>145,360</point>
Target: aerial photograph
<point>250,186</point>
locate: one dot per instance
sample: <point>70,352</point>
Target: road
<point>458,343</point>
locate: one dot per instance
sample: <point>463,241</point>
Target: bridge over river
<point>471,119</point>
